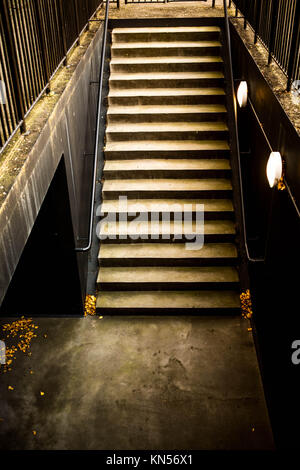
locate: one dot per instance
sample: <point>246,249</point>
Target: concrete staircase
<point>167,152</point>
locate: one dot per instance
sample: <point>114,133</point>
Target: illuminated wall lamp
<point>274,168</point>
<point>242,94</point>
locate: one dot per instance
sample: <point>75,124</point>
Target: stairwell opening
<point>46,281</point>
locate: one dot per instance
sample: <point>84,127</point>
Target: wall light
<point>242,94</point>
<point>274,168</point>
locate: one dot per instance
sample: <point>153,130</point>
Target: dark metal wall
<point>273,230</point>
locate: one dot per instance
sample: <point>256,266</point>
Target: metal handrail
<point>272,150</point>
<point>236,137</point>
<point>95,167</point>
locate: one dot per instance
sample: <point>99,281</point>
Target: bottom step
<point>175,302</point>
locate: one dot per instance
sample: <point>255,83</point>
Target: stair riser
<point>216,215</point>
<point>165,100</point>
<point>166,286</point>
<point>165,67</point>
<point>212,238</point>
<point>135,174</point>
<point>140,262</point>
<point>169,311</point>
<point>168,135</point>
<point>184,117</point>
<point>168,194</point>
<point>166,37</point>
<point>166,51</point>
<point>119,155</point>
<point>115,84</point>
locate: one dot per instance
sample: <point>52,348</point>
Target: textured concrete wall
<point>69,132</point>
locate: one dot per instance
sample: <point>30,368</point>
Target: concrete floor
<point>136,383</point>
<point>174,9</point>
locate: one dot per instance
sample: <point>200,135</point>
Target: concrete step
<point>174,302</point>
<point>165,64</point>
<point>166,149</point>
<point>168,278</point>
<point>215,231</point>
<point>166,254</point>
<point>164,49</point>
<point>215,188</point>
<point>171,113</point>
<point>166,131</point>
<point>166,96</point>
<point>166,168</point>
<point>182,33</point>
<point>214,209</point>
<point>166,80</point>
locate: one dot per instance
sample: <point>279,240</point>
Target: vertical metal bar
<point>274,18</point>
<point>35,59</point>
<point>63,30</point>
<point>87,13</point>
<point>295,44</point>
<point>7,27</point>
<point>75,3</point>
<point>10,108</point>
<point>257,19</point>
<point>41,41</point>
<point>20,45</point>
<point>55,29</point>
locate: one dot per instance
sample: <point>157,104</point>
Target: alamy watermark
<point>296,91</point>
<point>296,354</point>
<point>2,353</point>
<point>2,92</point>
<point>177,221</point>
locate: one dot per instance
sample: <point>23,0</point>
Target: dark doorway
<point>46,281</point>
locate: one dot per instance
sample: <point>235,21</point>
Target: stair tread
<point>166,126</point>
<point>163,184</point>
<point>164,60</point>
<point>170,299</point>
<point>165,75</point>
<point>166,91</point>
<point>214,227</point>
<point>167,145</point>
<point>166,250</point>
<point>164,44</point>
<point>167,164</point>
<point>156,205</point>
<point>157,274</point>
<point>163,29</point>
<point>219,249</point>
<point>167,109</point>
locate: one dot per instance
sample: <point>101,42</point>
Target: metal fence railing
<point>35,38</point>
<point>277,24</point>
